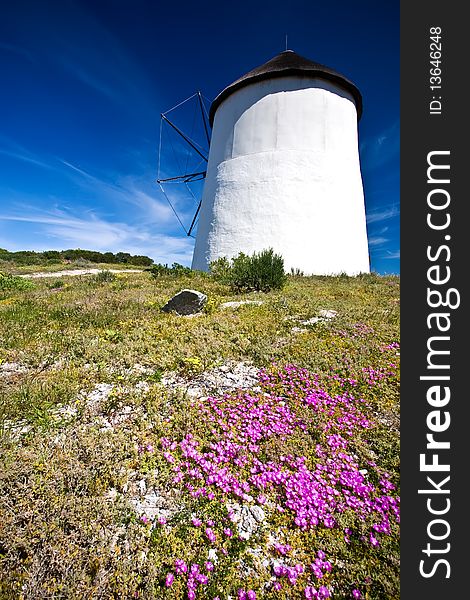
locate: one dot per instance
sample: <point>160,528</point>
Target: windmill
<point>283,170</point>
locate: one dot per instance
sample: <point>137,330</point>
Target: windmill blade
<point>194,171</point>
<point>184,137</point>
<point>201,105</point>
<point>173,209</point>
<point>187,178</point>
<point>194,218</point>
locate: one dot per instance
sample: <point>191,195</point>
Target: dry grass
<point>71,465</point>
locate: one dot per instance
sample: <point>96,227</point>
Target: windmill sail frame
<point>197,148</point>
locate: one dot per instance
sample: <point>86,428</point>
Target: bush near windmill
<point>262,271</point>
<point>251,452</point>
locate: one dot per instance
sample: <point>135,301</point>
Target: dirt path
<point>74,272</point>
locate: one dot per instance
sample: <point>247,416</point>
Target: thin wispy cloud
<point>125,190</point>
<point>155,210</point>
<point>379,150</point>
<point>12,149</point>
<point>78,170</point>
<point>85,75</point>
<point>73,40</point>
<point>377,241</point>
<point>24,158</point>
<point>133,200</point>
<point>116,190</point>
<point>17,50</point>
<point>92,231</point>
<point>100,63</point>
<point>384,214</point>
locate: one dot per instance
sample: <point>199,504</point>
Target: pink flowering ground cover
<point>302,449</point>
<point>120,479</point>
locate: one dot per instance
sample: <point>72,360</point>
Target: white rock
<point>328,314</point>
<point>311,321</point>
<point>240,303</point>
<point>212,555</point>
<point>100,392</point>
<point>298,330</point>
<point>10,369</point>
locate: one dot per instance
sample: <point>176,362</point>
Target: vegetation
<point>49,257</point>
<point>10,283</point>
<point>262,271</point>
<point>118,484</point>
<point>104,276</point>
<point>176,270</point>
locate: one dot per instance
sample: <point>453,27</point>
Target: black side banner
<point>434,276</point>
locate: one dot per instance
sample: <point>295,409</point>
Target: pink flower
<point>356,594</point>
<point>209,566</point>
<point>282,549</point>
<point>169,579</point>
<point>170,458</point>
<point>162,520</point>
<point>323,592</point>
<point>180,566</point>
<point>210,535</point>
<point>313,493</point>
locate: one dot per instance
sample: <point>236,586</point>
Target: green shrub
<point>112,335</point>
<point>296,272</point>
<point>103,277</point>
<point>262,271</point>
<point>14,283</point>
<point>220,269</point>
<point>57,283</point>
<point>176,270</point>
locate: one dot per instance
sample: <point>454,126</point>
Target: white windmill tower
<point>283,170</point>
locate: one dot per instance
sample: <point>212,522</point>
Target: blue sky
<point>84,83</point>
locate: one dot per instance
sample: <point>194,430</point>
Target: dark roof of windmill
<point>284,64</point>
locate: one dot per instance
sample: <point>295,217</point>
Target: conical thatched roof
<point>284,64</point>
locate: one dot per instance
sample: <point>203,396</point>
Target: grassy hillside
<point>133,467</point>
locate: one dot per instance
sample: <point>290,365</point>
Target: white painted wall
<point>283,172</point>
